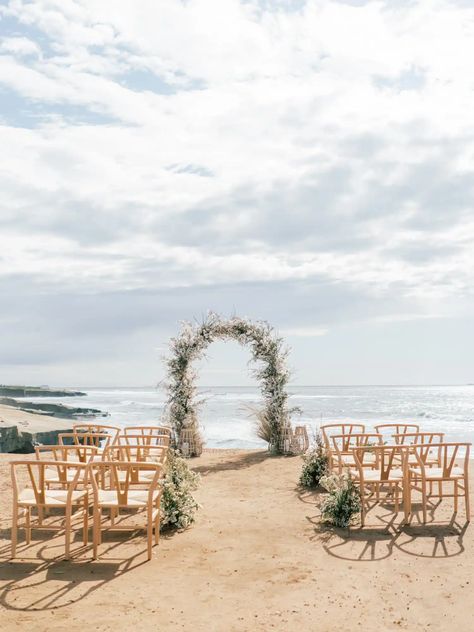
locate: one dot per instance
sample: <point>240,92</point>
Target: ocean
<point>227,422</point>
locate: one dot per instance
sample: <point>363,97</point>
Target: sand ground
<point>257,558</point>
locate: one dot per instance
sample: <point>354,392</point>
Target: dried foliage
<point>178,505</point>
<point>342,502</point>
<point>271,372</point>
<point>315,464</point>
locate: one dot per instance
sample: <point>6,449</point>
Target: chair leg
<point>456,494</point>
<point>149,530</point>
<point>95,533</point>
<point>85,524</point>
<point>28,525</point>
<point>466,499</point>
<point>423,498</point>
<point>14,530</point>
<point>67,534</point>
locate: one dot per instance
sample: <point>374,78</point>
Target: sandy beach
<point>257,558</point>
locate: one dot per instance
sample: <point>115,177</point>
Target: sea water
<point>228,421</point>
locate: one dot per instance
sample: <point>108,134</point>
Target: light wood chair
<point>38,496</point>
<point>137,454</point>
<point>396,429</point>
<point>99,440</point>
<point>143,439</point>
<point>343,449</point>
<point>329,430</point>
<point>446,473</point>
<point>60,453</point>
<point>121,495</point>
<point>147,430</point>
<point>97,428</point>
<point>390,472</point>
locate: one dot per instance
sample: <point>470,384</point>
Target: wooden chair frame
<point>391,471</point>
<point>121,495</point>
<point>447,472</point>
<point>64,453</point>
<point>143,439</point>
<point>97,428</point>
<point>339,429</point>
<point>343,448</point>
<point>399,428</point>
<point>86,439</point>
<point>146,430</point>
<point>43,499</point>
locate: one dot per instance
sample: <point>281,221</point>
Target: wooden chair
<point>143,439</point>
<point>99,440</point>
<point>147,430</point>
<point>121,495</point>
<point>388,473</point>
<point>60,453</point>
<point>338,429</point>
<point>97,428</point>
<point>38,496</point>
<point>396,429</point>
<point>343,449</point>
<point>137,454</point>
<point>446,473</point>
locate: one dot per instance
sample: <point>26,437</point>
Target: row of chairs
<point>95,469</point>
<point>399,459</point>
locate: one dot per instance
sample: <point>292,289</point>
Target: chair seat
<point>135,498</point>
<point>53,497</point>
<point>375,476</point>
<point>436,473</point>
<point>52,476</point>
<point>144,476</point>
<point>348,459</point>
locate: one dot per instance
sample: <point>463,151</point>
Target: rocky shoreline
<point>37,391</point>
<point>54,410</point>
<point>24,424</point>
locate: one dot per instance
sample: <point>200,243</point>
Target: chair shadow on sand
<point>58,583</point>
<point>386,534</point>
<point>233,463</point>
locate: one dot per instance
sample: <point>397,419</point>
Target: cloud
<point>198,147</point>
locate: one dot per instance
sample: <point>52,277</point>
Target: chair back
<point>75,453</point>
<point>448,454</point>
<point>396,429</point>
<point>387,458</point>
<point>343,444</point>
<point>120,476</point>
<point>415,438</point>
<point>147,430</point>
<point>143,439</point>
<point>95,439</point>
<point>97,428</point>
<point>137,453</point>
<point>36,471</point>
<point>329,430</point>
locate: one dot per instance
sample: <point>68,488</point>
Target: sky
<point>305,163</point>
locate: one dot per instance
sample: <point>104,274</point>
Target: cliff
<point>37,391</point>
<point>54,410</point>
<point>20,431</point>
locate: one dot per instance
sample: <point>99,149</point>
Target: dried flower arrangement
<point>272,373</point>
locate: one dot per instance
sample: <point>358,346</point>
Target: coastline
<point>20,430</point>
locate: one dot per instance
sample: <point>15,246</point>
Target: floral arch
<point>271,372</point>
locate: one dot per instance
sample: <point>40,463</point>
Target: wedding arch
<point>268,352</point>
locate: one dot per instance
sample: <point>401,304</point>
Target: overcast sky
<point>307,163</point>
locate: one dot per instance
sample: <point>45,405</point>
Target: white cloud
<point>256,145</point>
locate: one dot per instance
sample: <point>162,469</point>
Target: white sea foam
<point>227,422</point>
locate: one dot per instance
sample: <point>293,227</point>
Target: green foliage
<point>177,504</point>
<point>342,502</point>
<point>315,464</point>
